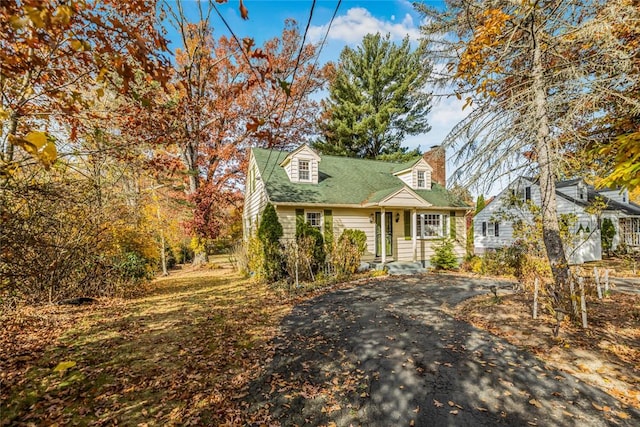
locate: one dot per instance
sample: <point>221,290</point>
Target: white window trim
<point>308,162</point>
<point>443,228</point>
<point>424,179</point>
<point>320,216</point>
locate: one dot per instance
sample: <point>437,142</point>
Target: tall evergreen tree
<point>376,98</point>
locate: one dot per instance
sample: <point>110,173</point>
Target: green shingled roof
<point>342,181</point>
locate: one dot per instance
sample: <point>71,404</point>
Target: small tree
<point>269,234</point>
<point>444,258</point>
<point>607,233</point>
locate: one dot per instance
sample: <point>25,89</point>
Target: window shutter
<point>452,219</point>
<point>484,228</point>
<point>527,193</point>
<point>498,228</point>
<point>328,225</point>
<point>407,225</point>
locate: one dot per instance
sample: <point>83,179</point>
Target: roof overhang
<point>420,163</point>
<point>404,197</point>
<point>305,150</point>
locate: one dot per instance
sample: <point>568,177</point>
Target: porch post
<point>383,236</point>
<point>414,240</point>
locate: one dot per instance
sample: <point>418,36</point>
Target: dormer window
<point>304,171</point>
<point>421,180</point>
<point>302,165</point>
<point>581,191</point>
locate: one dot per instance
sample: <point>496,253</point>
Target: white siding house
<point>401,210</point>
<point>494,225</point>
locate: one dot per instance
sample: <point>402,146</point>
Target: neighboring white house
<point>336,193</point>
<point>493,226</point>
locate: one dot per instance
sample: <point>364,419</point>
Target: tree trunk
<point>13,127</point>
<point>547,163</point>
<point>189,157</point>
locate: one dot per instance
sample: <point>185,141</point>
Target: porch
<point>630,231</point>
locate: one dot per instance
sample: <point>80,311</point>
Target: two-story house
<point>404,212</point>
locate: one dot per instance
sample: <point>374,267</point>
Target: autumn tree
<point>377,96</point>
<point>231,95</point>
<point>55,52</point>
<point>613,136</point>
<point>523,74</point>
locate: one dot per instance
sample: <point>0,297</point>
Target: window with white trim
<point>314,219</point>
<point>491,229</point>
<point>431,225</point>
<point>304,170</point>
<point>422,182</point>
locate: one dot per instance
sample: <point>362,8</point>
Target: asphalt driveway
<point>386,354</point>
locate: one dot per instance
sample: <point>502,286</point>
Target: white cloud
<point>358,22</point>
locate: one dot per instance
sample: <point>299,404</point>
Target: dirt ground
<point>606,354</point>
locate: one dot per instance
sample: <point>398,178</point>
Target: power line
<point>306,83</point>
<point>233,34</point>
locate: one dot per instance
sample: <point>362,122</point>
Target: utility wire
<point>306,83</point>
<point>233,34</point>
<point>288,93</point>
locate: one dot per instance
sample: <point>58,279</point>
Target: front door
<point>388,233</point>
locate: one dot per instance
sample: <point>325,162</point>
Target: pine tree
<point>376,98</point>
<point>270,229</point>
<point>269,233</point>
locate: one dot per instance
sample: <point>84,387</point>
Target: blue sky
<point>353,21</point>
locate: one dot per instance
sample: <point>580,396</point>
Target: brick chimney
<point>436,159</point>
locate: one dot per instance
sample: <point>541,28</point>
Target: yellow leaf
<point>623,415</point>
<point>100,92</point>
<point>77,44</point>
<point>39,145</point>
<point>38,17</point>
<point>4,114</point>
<point>18,22</point>
<point>63,14</point>
<point>535,403</point>
<point>38,139</point>
<point>48,154</point>
<point>63,366</point>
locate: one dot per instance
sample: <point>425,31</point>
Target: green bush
<point>346,253</point>
<point>607,233</point>
<point>317,243</point>
<point>133,266</point>
<point>473,264</point>
<point>270,229</point>
<point>358,238</point>
<point>269,234</point>
<point>444,257</point>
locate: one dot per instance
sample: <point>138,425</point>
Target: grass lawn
<point>182,354</point>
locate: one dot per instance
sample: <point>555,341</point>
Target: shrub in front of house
<point>607,233</point>
<point>316,242</point>
<point>269,234</point>
<point>444,257</point>
<point>346,252</point>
